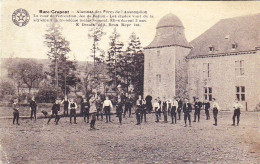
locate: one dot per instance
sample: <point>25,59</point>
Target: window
<point>206,70</point>
<point>208,93</point>
<point>239,68</point>
<point>234,46</point>
<point>158,78</point>
<point>158,53</point>
<point>240,93</point>
<point>211,49</point>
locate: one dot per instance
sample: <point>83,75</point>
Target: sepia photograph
<point>129,82</point>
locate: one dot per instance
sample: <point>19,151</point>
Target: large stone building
<point>224,62</point>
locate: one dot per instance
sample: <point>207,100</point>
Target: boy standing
<point>186,110</point>
<point>237,106</point>
<point>85,109</point>
<point>173,110</point>
<point>207,107</point>
<point>33,107</point>
<point>107,107</point>
<point>119,110</point>
<point>215,107</point>
<point>16,112</point>
<point>55,109</point>
<point>73,106</point>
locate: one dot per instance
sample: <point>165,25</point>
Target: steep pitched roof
<point>243,31</point>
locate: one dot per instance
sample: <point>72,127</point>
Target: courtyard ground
<point>36,142</point>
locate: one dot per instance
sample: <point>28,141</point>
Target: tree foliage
<point>62,70</point>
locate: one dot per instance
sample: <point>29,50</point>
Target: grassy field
<point>37,142</point>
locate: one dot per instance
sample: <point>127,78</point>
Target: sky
<point>28,41</point>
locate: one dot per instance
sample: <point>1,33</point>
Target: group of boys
<point>167,107</point>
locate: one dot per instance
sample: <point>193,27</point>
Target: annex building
<point>222,63</point>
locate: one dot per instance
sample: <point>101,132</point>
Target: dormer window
<point>211,49</point>
<point>234,46</point>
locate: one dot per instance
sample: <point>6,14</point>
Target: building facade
<point>224,63</point>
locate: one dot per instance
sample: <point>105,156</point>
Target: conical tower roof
<point>169,32</point>
<point>169,20</point>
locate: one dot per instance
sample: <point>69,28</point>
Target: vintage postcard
<point>129,81</point>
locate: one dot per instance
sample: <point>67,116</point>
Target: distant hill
<point>81,65</point>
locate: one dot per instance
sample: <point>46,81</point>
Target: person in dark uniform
<point>187,110</point>
<point>55,109</point>
<point>138,111</point>
<point>107,107</point>
<point>149,106</point>
<point>173,110</point>
<point>119,110</point>
<point>99,107</point>
<point>197,106</point>
<point>215,108</point>
<point>180,105</point>
<point>16,112</point>
<point>128,105</point>
<point>33,108</point>
<point>144,111</point>
<point>164,109</point>
<point>156,106</point>
<point>85,109</point>
<point>73,107</point>
<point>237,106</point>
<point>160,109</point>
<point>207,107</point>
<point>65,107</point>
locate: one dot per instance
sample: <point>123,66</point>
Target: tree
<point>6,88</point>
<point>135,64</point>
<point>31,73</point>
<point>62,70</point>
<point>13,74</point>
<point>115,55</point>
<point>95,34</point>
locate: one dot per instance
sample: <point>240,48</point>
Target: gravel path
<point>36,142</point>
